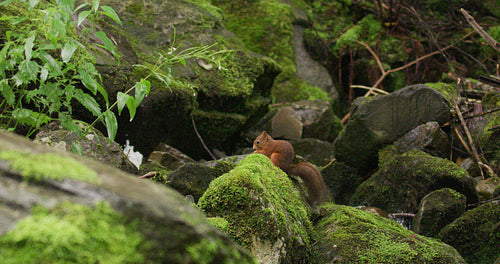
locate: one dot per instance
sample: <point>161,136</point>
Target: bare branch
<point>492,42</point>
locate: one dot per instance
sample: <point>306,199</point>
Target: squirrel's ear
<point>264,133</point>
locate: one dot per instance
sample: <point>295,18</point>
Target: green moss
<point>475,234</point>
<point>220,223</point>
<point>258,200</point>
<point>48,166</point>
<point>290,88</point>
<point>207,6</point>
<point>446,89</point>
<point>366,30</point>
<point>362,237</point>
<point>408,177</point>
<point>72,233</point>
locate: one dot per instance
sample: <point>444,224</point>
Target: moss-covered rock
<point>476,234</point>
<point>230,93</point>
<point>264,210</point>
<point>400,183</point>
<point>58,207</point>
<point>73,233</point>
<point>349,235</point>
<point>436,210</point>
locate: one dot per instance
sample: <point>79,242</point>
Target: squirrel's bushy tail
<point>317,190</point>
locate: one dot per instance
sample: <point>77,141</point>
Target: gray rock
<point>316,117</point>
<point>382,120</point>
<point>169,157</point>
<point>427,137</point>
<point>33,175</point>
<point>436,210</point>
<point>486,187</point>
<point>93,145</point>
<point>193,178</point>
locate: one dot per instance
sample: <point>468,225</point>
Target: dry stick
<point>483,113</point>
<point>201,139</point>
<point>475,155</point>
<point>492,42</point>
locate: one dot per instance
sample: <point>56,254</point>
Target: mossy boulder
<point>200,93</point>
<point>436,210</point>
<point>59,207</point>
<point>349,235</point>
<point>476,234</point>
<point>401,182</point>
<point>382,120</point>
<point>264,210</point>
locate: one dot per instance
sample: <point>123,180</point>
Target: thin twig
<point>483,113</point>
<point>492,42</point>
<point>475,155</point>
<point>496,199</point>
<point>385,73</point>
<point>201,139</point>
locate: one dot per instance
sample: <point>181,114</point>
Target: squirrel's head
<point>261,140</point>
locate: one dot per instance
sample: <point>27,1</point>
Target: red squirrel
<point>281,154</point>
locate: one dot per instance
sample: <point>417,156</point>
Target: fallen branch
<point>483,113</point>
<point>492,42</point>
<point>473,150</point>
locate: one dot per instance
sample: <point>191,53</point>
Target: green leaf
<point>68,123</point>
<point>5,3</point>
<point>121,99</point>
<point>33,3</point>
<point>88,102</point>
<point>53,65</point>
<point>88,80</point>
<point>110,12</point>
<point>6,92</point>
<point>132,107</point>
<point>82,16</point>
<point>108,44</point>
<point>80,7</point>
<point>142,89</point>
<point>95,5</point>
<point>44,73</point>
<point>104,94</point>
<point>111,124</point>
<point>68,50</point>
<point>28,46</point>
<point>30,118</point>
<point>58,28</point>
<point>27,72</point>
